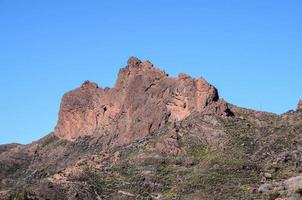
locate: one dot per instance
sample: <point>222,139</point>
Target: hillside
<point>152,136</point>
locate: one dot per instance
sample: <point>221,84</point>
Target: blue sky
<point>250,50</point>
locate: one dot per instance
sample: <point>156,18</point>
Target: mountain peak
<point>88,84</point>
<point>133,61</point>
<point>143,100</point>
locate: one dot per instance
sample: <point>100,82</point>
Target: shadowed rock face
<point>143,100</point>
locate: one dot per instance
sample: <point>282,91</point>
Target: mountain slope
<point>204,148</point>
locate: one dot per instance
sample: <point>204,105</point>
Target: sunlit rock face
<point>143,100</point>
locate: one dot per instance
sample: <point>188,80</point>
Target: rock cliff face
<point>143,100</point>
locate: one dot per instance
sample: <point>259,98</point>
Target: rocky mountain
<point>152,136</point>
<point>143,100</point>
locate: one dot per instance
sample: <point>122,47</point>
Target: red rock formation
<point>143,100</point>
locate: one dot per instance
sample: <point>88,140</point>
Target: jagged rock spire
<point>143,100</point>
<point>299,108</point>
<point>133,61</point>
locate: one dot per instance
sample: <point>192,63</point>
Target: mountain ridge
<point>156,137</point>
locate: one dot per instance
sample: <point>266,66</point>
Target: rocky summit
<point>152,136</point>
<point>143,100</point>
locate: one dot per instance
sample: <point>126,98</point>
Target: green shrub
<point>273,196</point>
<point>19,196</point>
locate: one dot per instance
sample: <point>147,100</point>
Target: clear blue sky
<point>251,50</point>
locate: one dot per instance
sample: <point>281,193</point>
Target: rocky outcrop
<point>143,100</point>
<point>299,108</point>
